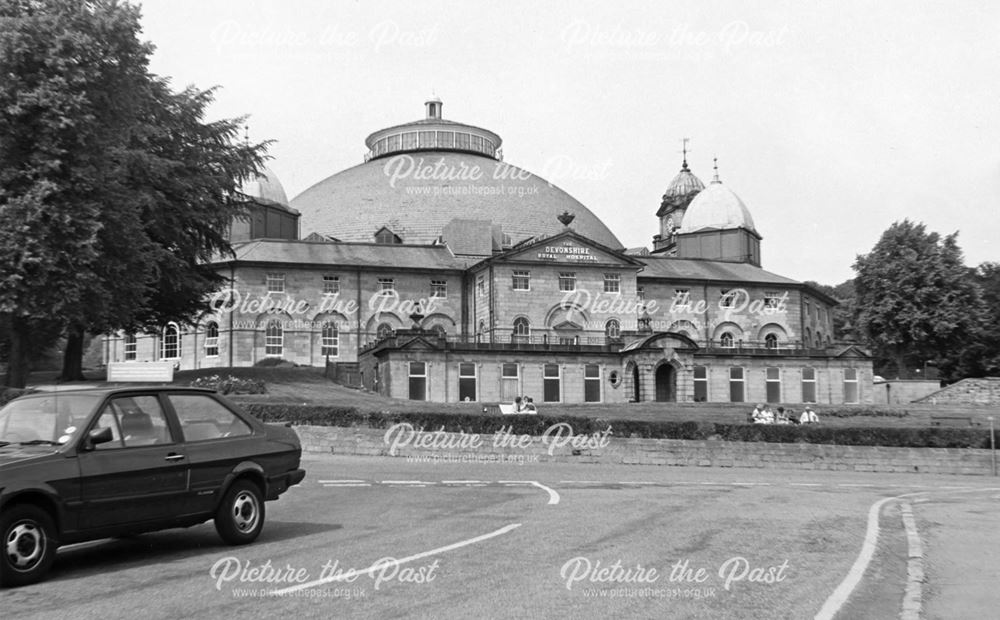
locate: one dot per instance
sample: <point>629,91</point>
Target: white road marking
<point>840,595</point>
<point>804,484</point>
<point>418,483</point>
<point>853,577</point>
<point>462,482</point>
<point>553,496</point>
<point>379,566</point>
<point>913,598</point>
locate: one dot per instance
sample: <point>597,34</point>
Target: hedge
<point>535,425</point>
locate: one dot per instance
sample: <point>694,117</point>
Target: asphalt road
<point>382,538</point>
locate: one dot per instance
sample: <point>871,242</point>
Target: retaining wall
<point>967,392</point>
<point>677,452</point>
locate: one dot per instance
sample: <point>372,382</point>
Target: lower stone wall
<point>458,447</point>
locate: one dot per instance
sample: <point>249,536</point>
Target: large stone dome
<point>422,175</point>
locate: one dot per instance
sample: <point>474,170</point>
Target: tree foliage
<point>915,299</point>
<point>114,189</point>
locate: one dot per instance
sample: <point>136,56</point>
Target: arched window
<point>330,340</point>
<point>384,331</point>
<point>439,331</point>
<point>130,347</point>
<point>771,341</point>
<point>613,329</point>
<point>808,339</point>
<point>170,347</point>
<point>727,340</point>
<point>684,327</point>
<point>274,339</point>
<point>212,339</point>
<point>522,329</point>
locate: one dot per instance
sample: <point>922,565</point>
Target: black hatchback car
<point>89,464</point>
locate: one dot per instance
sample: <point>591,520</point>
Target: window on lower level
<point>736,385</point>
<point>850,385</point>
<point>808,385</point>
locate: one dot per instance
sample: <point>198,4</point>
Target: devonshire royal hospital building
<point>436,271</point>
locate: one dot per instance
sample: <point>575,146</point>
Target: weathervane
<point>684,151</point>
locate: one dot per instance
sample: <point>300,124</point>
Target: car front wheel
<point>28,545</point>
<point>240,517</point>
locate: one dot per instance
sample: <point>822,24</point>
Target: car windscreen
<point>50,418</point>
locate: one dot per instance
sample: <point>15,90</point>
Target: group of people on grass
<point>762,414</point>
<point>524,404</point>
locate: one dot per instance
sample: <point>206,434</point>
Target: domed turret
<point>268,215</point>
<point>681,191</point>
<point>683,185</point>
<point>266,189</point>
<point>716,208</point>
<point>718,226</point>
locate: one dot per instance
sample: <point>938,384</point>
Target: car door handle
<point>174,457</point>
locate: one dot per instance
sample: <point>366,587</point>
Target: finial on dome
<point>684,150</point>
<point>715,162</point>
<point>566,218</point>
<point>434,106</point>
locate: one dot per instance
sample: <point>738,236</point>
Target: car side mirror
<point>96,436</point>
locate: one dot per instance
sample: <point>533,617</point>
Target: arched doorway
<point>635,381</point>
<point>666,383</point>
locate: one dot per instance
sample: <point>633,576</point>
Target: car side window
<point>134,421</point>
<point>109,419</point>
<point>202,417</point>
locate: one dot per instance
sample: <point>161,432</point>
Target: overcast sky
<point>830,122</point>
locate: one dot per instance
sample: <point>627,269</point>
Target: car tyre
<point>28,545</point>
<point>240,517</point>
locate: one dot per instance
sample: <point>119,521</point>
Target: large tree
<point>915,299</point>
<point>114,190</point>
<point>981,356</point>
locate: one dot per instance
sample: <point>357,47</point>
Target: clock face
<point>670,224</point>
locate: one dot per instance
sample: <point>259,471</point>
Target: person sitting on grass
<point>781,418</point>
<point>517,404</point>
<point>808,416</point>
<point>793,418</point>
<point>768,415</point>
<point>757,415</point>
<point>529,407</point>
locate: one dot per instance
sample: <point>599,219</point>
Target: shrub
<point>274,362</point>
<point>9,394</point>
<point>231,385</point>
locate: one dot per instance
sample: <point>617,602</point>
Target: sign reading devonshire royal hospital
<point>567,253</point>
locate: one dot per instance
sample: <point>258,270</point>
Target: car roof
<point>130,389</point>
